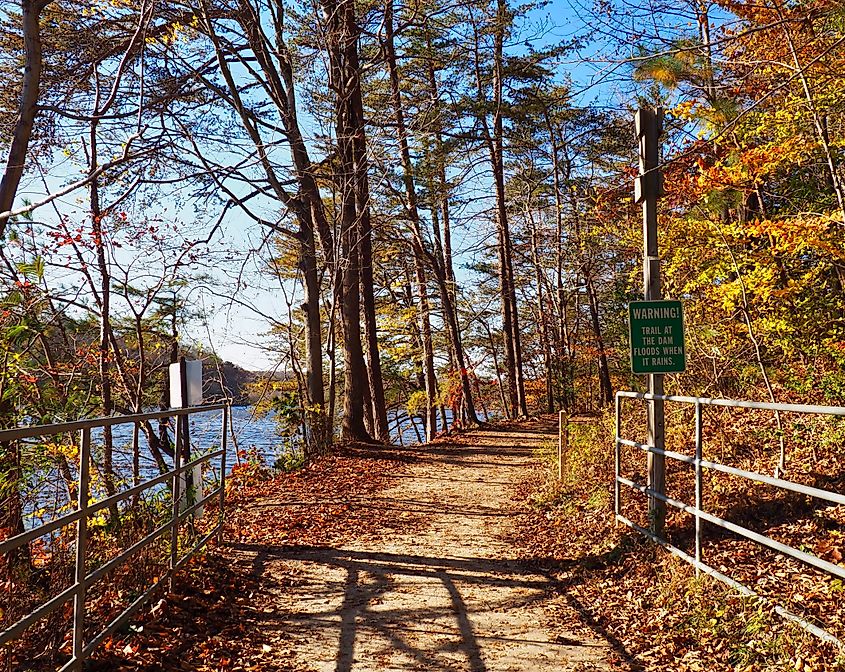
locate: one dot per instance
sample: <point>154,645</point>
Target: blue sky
<point>236,332</point>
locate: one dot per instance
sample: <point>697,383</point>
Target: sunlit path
<point>444,594</point>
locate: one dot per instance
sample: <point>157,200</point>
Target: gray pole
<point>648,189</point>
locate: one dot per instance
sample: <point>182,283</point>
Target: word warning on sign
<point>657,336</point>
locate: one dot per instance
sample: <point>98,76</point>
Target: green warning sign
<point>657,336</point>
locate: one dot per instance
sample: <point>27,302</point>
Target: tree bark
<point>818,122</point>
<point>353,99</point>
<point>374,375</point>
<point>605,384</point>
<point>342,42</point>
<point>315,412</point>
<point>495,145</point>
<point>28,108</point>
<point>542,323</point>
<point>104,345</point>
<point>355,374</point>
<point>414,216</point>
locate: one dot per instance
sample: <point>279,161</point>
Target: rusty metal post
<point>81,547</point>
<point>648,189</point>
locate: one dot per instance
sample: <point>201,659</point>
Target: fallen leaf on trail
<point>206,624</point>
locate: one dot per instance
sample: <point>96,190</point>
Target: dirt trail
<point>440,592</point>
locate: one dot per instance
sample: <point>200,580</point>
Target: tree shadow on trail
<point>580,571</point>
<point>449,454</point>
<point>367,576</point>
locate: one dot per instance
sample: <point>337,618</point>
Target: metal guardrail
<point>83,580</point>
<point>700,464</point>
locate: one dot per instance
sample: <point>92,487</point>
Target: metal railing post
<point>81,547</point>
<point>699,431</point>
<point>83,641</point>
<point>224,435</point>
<point>177,496</point>
<point>617,459</point>
<point>560,445</point>
<point>136,460</point>
<point>655,460</point>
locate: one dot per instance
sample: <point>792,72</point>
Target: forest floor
<point>466,554</point>
<point>390,559</point>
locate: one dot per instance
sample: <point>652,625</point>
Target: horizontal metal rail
<point>761,539</point>
<point>125,555</point>
<point>658,451</point>
<point>697,511</point>
<point>45,609</point>
<point>18,540</point>
<point>741,588</point>
<point>810,491</point>
<point>84,511</point>
<point>734,403</point>
<point>145,596</point>
<point>800,488</point>
<point>118,621</point>
<point>30,431</point>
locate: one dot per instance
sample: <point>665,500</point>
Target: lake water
<point>257,435</point>
<point>45,493</point>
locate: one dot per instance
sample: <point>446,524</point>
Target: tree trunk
<point>351,99</point>
<point>440,261</point>
<point>440,193</point>
<point>495,145</point>
<point>28,108</point>
<point>558,297</point>
<point>818,123</point>
<point>374,376</point>
<point>331,349</point>
<point>104,346</point>
<point>342,36</point>
<point>542,323</point>
<point>605,384</point>
<point>414,216</point>
<point>315,406</point>
<point>355,375</point>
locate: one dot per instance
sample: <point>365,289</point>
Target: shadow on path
<point>368,576</point>
<point>436,588</point>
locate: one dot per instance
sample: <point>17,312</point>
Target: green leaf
<point>33,269</point>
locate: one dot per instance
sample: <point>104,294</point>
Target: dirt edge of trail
<point>389,559</point>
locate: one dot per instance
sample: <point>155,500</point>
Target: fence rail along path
<point>699,464</point>
<point>184,506</point>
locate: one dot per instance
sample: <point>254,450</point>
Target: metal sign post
<point>186,390</point>
<point>648,188</point>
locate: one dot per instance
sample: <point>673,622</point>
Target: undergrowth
<point>651,603</point>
